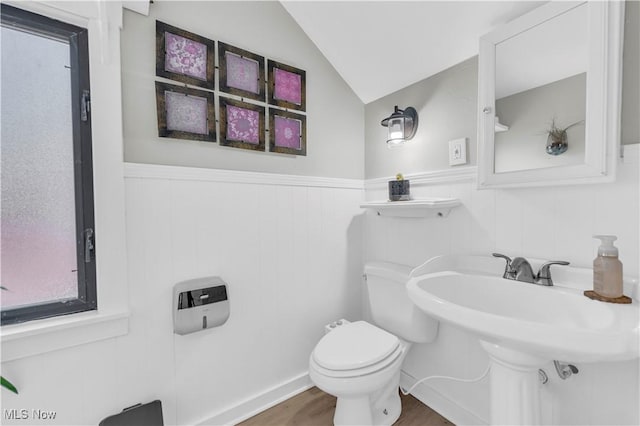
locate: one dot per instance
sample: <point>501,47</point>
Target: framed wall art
<point>287,86</point>
<point>241,72</point>
<point>287,132</point>
<point>242,125</point>
<point>185,57</point>
<point>185,113</point>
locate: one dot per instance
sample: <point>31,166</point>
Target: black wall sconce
<point>402,125</point>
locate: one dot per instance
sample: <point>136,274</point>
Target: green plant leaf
<point>8,385</point>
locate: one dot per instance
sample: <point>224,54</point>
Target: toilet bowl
<point>360,362</point>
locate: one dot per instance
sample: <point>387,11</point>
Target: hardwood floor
<point>315,408</point>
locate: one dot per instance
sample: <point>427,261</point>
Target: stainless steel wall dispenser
<point>199,304</point>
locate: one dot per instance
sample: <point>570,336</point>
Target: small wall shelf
<point>499,127</point>
<point>431,207</point>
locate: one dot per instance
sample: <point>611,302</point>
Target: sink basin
<point>552,323</point>
<point>523,326</point>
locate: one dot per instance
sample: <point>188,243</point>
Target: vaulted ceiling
<point>379,47</point>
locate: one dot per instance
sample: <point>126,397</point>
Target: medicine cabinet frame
<point>603,98</point>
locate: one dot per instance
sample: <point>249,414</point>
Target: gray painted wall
<point>530,113</point>
<point>447,106</point>
<point>335,115</point>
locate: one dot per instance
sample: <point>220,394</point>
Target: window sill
<point>41,336</point>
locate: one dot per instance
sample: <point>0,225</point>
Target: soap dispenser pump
<point>607,269</point>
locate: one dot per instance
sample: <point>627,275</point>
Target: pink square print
<point>186,113</point>
<point>288,132</point>
<point>242,73</point>
<point>185,56</point>
<point>287,86</point>
<point>243,125</point>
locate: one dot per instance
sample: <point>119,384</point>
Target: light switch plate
<point>458,151</point>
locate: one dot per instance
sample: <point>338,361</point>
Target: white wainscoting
<point>260,402</point>
<point>290,249</point>
<point>546,223</point>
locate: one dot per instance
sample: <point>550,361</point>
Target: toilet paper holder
<point>199,304</point>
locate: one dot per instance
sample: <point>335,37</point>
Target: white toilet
<point>359,362</point>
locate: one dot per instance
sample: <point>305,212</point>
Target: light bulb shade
<point>395,143</point>
<point>402,126</point>
<point>396,129</point>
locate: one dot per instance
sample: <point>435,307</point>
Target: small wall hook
<point>565,370</point>
<point>542,375</point>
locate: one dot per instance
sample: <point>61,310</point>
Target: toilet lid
<point>355,345</point>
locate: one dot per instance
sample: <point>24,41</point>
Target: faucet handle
<point>544,274</point>
<point>507,258</point>
<point>508,271</point>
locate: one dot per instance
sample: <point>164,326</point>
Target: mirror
<point>549,96</point>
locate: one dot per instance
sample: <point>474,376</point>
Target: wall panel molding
<point>461,174</point>
<point>263,401</point>
<point>153,171</point>
<point>283,249</point>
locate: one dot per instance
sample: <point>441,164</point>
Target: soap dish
<point>595,296</point>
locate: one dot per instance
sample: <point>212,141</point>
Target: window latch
<point>89,245</point>
<point>85,105</point>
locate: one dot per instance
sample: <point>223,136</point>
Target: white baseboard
<point>277,394</point>
<point>440,403</point>
<point>258,403</point>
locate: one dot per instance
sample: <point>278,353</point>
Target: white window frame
<point>103,20</point>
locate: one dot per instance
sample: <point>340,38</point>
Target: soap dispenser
<point>607,269</point>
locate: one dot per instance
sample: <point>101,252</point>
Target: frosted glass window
<point>38,231</point>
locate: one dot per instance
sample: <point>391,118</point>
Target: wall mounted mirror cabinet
<point>549,96</point>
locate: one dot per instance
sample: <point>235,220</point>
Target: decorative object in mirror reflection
<point>402,125</point>
<point>185,113</point>
<point>241,72</point>
<point>557,139</point>
<point>287,86</point>
<point>560,60</point>
<point>241,125</point>
<point>183,56</point>
<point>288,132</point>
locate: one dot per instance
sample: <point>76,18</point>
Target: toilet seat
<point>358,372</point>
<point>355,349</point>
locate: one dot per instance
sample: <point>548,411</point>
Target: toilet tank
<point>390,305</point>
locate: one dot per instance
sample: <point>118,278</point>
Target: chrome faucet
<point>519,269</point>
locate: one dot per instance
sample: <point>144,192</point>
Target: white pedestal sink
<point>523,326</point>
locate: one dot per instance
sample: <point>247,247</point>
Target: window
<point>47,247</point>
